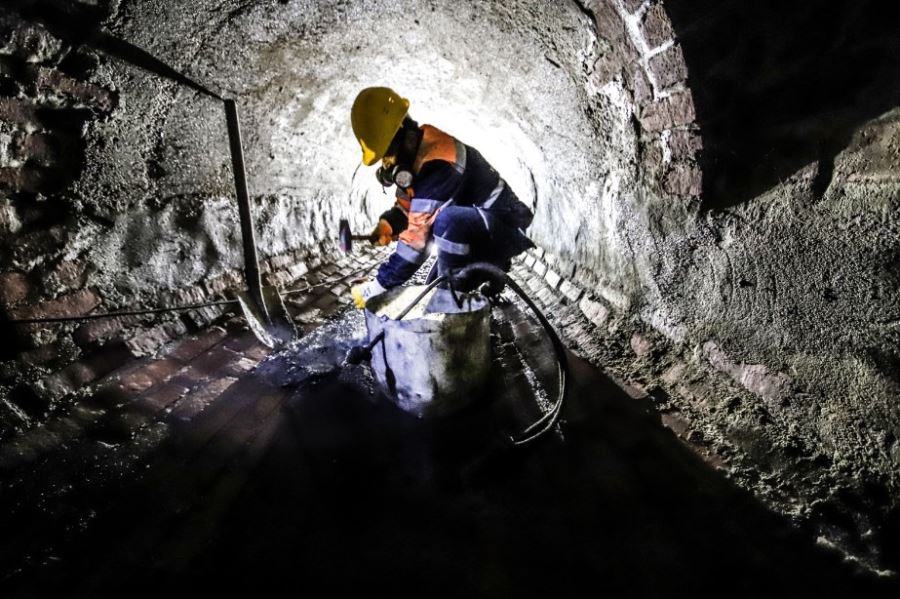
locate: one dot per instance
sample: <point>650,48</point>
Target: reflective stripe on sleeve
<point>484,218</point>
<point>406,252</point>
<point>460,164</point>
<point>451,247</point>
<point>494,195</point>
<point>424,205</point>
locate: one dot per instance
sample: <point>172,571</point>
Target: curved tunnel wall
<point>660,211</point>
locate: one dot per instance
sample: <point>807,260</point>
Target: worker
<point>447,194</point>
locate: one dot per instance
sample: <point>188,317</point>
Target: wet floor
<point>337,490</point>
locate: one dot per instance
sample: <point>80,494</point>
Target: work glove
<point>383,233</point>
<point>363,292</point>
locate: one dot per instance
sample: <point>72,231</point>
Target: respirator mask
<point>398,175</point>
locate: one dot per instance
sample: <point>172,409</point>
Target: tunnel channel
<point>714,186</point>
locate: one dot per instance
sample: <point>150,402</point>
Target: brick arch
<point>648,55</point>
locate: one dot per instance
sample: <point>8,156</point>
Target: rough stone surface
<point>669,67</point>
<point>14,288</point>
<point>657,27</point>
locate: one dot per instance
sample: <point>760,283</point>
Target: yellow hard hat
<point>377,115</point>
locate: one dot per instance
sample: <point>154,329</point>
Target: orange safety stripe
<point>436,145</point>
<point>418,229</point>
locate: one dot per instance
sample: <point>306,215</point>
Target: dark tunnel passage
<point>715,188</point>
<point>782,86</point>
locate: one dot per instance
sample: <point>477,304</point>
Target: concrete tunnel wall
<point>749,266</point>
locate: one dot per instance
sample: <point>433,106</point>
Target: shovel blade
<point>271,324</point>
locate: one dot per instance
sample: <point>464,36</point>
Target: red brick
<point>657,27</point>
<point>191,348</point>
<point>281,261</point>
<point>222,283</point>
<point>684,179</point>
<point>18,111</point>
<point>684,145</point>
<point>86,370</point>
<point>14,288</point>
<point>74,304</point>
<point>191,405</point>
<point>164,395</point>
<point>608,22</point>
<point>109,358</point>
<point>298,270</point>
<point>29,179</point>
<point>162,370</point>
<point>594,311</point>
<point>147,341</point>
<point>676,422</point>
<point>189,295</point>
<point>43,355</point>
<point>642,91</point>
<point>135,381</point>
<point>674,111</point>
<point>97,331</point>
<point>240,341</point>
<point>640,345</point>
<point>553,279</point>
<point>215,361</point>
<point>70,274</point>
<point>40,148</point>
<point>257,351</point>
<point>668,67</point>
<point>80,91</point>
<point>572,292</point>
<point>326,302</point>
<point>277,279</point>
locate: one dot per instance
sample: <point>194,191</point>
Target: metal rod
<point>248,235</point>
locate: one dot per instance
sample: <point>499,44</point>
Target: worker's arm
<point>392,222</point>
<point>434,186</point>
<point>395,218</point>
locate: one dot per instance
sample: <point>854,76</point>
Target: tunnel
<point>715,188</point>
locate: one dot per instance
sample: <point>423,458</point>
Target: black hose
<point>475,274</point>
<point>546,422</point>
<point>467,279</point>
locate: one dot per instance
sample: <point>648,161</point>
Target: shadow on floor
<point>342,492</point>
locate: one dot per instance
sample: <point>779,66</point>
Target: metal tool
<point>262,306</point>
<point>346,237</point>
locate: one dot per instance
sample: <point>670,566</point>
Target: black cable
<point>142,312</point>
<point>163,309</point>
<point>549,419</point>
<point>495,278</point>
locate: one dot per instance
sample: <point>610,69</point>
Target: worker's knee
<point>457,229</point>
<point>448,220</point>
<point>459,221</point>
